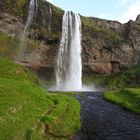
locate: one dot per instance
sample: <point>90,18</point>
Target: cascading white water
<point>32,9</point>
<point>69,64</point>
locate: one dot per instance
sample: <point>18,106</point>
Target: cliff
<point>107,46</point>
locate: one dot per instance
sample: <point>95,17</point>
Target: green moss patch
<point>127,98</point>
<point>128,78</point>
<point>63,108</point>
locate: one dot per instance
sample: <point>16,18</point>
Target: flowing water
<point>102,120</point>
<point>32,9</point>
<point>69,64</point>
<point>50,19</point>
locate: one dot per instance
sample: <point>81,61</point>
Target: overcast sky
<point>121,10</point>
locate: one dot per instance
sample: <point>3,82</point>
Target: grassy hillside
<point>28,112</point>
<point>127,98</point>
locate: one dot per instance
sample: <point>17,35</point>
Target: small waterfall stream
<point>69,64</point>
<point>32,9</point>
<point>50,19</point>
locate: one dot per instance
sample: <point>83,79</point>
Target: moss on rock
<point>8,45</point>
<point>16,7</point>
<point>130,77</point>
<point>108,35</point>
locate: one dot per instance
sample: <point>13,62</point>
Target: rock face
<point>108,46</point>
<point>9,24</point>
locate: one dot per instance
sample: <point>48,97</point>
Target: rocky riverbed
<point>103,120</point>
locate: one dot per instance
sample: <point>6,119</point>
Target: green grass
<point>55,121</point>
<point>28,112</point>
<point>127,78</point>
<point>11,70</point>
<point>127,98</point>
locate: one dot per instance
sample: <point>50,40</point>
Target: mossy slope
<point>28,112</point>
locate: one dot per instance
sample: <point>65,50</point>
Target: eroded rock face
<point>10,24</point>
<point>107,46</point>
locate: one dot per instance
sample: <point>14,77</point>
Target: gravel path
<point>103,120</point>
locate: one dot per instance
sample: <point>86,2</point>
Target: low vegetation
<point>28,112</point>
<point>130,77</point>
<point>108,35</point>
<point>8,45</point>
<point>17,7</point>
<point>63,119</point>
<point>127,98</point>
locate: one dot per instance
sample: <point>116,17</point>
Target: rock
<point>107,46</point>
<point>9,24</point>
<point>101,68</point>
<point>106,42</point>
<point>138,18</point>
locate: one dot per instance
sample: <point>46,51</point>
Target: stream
<point>103,120</point>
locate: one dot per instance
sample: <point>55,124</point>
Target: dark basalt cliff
<point>107,46</point>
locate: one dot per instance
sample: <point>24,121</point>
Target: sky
<point>119,10</point>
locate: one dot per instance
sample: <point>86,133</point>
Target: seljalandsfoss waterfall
<point>68,68</point>
<point>69,64</point>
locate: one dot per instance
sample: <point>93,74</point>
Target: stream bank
<point>103,120</point>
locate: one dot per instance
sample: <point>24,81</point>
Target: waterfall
<point>32,9</point>
<point>69,64</point>
<point>50,19</point>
